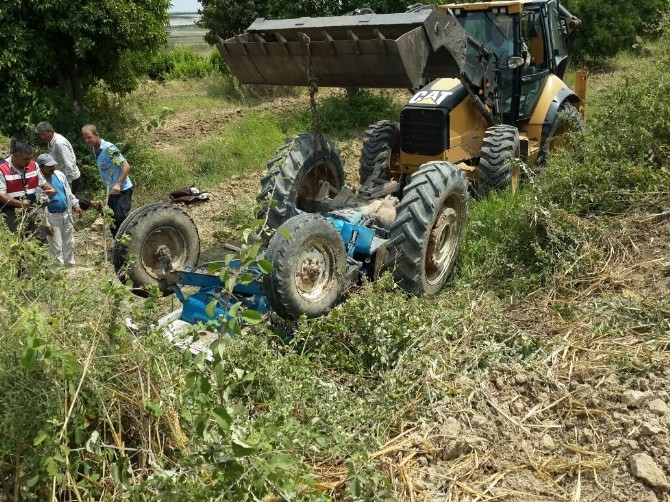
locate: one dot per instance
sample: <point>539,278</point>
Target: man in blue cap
<point>59,226</point>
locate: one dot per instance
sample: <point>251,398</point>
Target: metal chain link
<point>311,83</point>
<point>317,129</point>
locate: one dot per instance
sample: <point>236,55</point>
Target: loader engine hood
<point>443,93</point>
<point>372,50</point>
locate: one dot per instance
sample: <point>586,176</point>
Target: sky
<point>185,6</point>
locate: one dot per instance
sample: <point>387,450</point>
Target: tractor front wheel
<point>428,228</point>
<point>294,177</point>
<point>381,151</point>
<point>309,268</point>
<point>147,234</point>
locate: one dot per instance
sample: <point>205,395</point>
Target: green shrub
<point>609,27</point>
<point>178,63</point>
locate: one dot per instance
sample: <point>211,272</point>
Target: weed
<point>344,113</point>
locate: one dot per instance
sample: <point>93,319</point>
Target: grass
<point>244,146</point>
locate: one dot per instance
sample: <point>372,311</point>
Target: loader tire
<point>149,228</point>
<point>496,161</point>
<point>309,268</point>
<point>428,228</point>
<point>567,119</point>
<point>381,151</point>
<point>294,176</point>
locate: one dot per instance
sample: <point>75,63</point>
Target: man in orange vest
<point>20,184</point>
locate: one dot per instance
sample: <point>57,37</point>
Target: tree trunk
<point>75,83</point>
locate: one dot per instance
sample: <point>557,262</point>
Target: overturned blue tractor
<point>341,235</point>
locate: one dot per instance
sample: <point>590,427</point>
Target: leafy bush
<point>178,63</point>
<point>609,27</point>
<point>78,410</point>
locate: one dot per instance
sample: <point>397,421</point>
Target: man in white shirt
<point>62,152</point>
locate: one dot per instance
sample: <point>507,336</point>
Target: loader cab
<point>499,31</point>
<point>533,33</point>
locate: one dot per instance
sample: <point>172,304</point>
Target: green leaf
<point>209,309</point>
<point>232,311</point>
<point>265,266</point>
<point>245,278</point>
<point>40,438</point>
<point>240,448</point>
<point>93,443</point>
<point>32,481</point>
<point>253,251</point>
<point>284,233</point>
<point>223,419</point>
<point>29,359</point>
<point>251,316</point>
<point>52,467</point>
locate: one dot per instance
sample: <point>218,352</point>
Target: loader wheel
<point>496,161</point>
<point>568,119</point>
<point>428,229</point>
<point>294,177</point>
<point>153,228</point>
<point>309,268</point>
<point>381,151</point>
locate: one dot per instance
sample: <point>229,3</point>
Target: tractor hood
<point>370,50</point>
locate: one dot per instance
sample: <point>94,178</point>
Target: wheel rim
<point>170,238</point>
<point>443,240</point>
<point>315,271</point>
<point>308,189</point>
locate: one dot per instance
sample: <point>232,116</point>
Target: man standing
<point>114,169</point>
<point>19,183</point>
<point>60,227</point>
<point>61,151</point>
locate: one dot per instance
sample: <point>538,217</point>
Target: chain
<point>313,89</point>
<point>311,83</point>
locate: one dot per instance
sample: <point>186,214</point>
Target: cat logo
<point>429,97</point>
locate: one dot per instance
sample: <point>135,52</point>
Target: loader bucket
<point>372,50</point>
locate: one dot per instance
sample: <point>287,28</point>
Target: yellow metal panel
<point>581,90</point>
<point>444,84</point>
<point>552,87</point>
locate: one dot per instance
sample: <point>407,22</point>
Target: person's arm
<point>72,200</point>
<point>6,200</point>
<point>48,189</point>
<point>125,169</point>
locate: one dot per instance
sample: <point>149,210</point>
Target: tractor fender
<point>554,94</point>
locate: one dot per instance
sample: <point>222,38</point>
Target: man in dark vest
<point>20,184</point>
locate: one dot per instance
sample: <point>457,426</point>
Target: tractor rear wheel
<point>567,119</point>
<point>428,228</point>
<point>294,177</point>
<point>309,268</point>
<point>381,151</point>
<point>151,229</point>
<point>496,161</point>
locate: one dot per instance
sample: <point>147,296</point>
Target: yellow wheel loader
<point>487,79</point>
<point>487,95</point>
